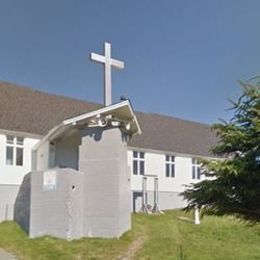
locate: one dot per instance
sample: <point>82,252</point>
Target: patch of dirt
<point>6,256</point>
<point>132,249</point>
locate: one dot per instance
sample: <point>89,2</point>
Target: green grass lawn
<point>152,237</point>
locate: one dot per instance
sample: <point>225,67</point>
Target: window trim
<point>138,160</point>
<point>17,143</point>
<point>196,169</point>
<point>170,166</point>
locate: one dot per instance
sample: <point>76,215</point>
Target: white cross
<point>108,63</point>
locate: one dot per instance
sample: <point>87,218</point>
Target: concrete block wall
<point>22,205</point>
<point>103,159</point>
<point>55,212</point>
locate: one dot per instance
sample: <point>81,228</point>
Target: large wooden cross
<point>108,64</point>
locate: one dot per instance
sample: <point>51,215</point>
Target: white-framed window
<point>14,150</point>
<point>195,169</point>
<point>138,163</point>
<point>170,166</point>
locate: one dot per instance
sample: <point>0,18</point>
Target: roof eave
<point>71,122</point>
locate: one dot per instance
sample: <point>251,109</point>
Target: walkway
<point>5,256</point>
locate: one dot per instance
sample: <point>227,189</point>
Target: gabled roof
<point>31,111</point>
<point>118,113</point>
<point>26,110</point>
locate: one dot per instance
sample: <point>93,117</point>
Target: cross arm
<point>97,57</point>
<point>117,64</point>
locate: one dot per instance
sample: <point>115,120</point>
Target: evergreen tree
<point>233,186</point>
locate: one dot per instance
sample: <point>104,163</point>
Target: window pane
<point>135,154</point>
<point>9,139</point>
<point>9,155</point>
<point>142,155</point>
<point>167,158</point>
<point>135,170</point>
<point>19,140</point>
<point>141,167</point>
<point>167,170</point>
<point>198,173</point>
<point>173,170</point>
<point>173,158</point>
<point>193,172</point>
<point>19,156</point>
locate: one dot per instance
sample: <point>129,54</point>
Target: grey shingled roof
<point>31,111</point>
<point>167,133</point>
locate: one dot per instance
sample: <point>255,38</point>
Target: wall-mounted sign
<point>49,180</point>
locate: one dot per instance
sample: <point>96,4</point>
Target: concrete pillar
<point>196,216</point>
<point>107,196</point>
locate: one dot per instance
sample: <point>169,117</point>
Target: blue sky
<point>183,58</point>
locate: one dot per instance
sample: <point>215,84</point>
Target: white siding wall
<point>11,174</point>
<point>155,164</point>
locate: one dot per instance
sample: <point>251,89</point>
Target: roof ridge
<point>13,84</point>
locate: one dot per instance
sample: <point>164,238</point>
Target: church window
<point>14,150</point>
<point>195,169</point>
<point>9,155</point>
<point>170,166</point>
<point>19,156</point>
<point>138,163</point>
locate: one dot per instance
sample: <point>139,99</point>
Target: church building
<point>72,168</point>
<point>167,148</point>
